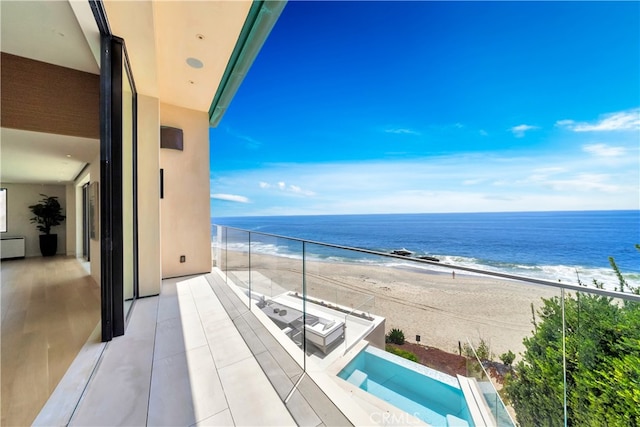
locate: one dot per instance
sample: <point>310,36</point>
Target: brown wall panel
<point>42,97</point>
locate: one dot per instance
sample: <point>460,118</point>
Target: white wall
<point>19,198</point>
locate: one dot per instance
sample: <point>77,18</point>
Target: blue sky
<point>399,107</point>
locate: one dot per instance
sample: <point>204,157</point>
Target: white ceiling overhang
<point>161,36</point>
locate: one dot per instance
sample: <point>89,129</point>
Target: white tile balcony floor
<point>183,361</point>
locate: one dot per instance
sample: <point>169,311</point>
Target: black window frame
<point>113,59</point>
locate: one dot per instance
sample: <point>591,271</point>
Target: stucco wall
<point>185,210</point>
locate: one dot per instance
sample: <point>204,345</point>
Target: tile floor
<point>181,362</point>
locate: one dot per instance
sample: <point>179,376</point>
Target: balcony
<point>292,332</point>
<point>489,335</point>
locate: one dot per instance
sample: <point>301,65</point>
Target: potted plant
<point>48,213</point>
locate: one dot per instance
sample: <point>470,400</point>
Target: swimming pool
<point>432,396</point>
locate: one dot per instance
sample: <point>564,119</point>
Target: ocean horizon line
<point>427,213</point>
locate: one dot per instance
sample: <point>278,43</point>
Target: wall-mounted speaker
<point>170,138</point>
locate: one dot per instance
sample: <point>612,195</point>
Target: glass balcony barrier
<point>537,352</point>
<point>483,387</point>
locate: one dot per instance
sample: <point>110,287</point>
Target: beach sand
<point>442,309</point>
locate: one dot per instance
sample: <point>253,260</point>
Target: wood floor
<point>50,306</point>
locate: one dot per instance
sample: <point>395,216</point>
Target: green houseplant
<point>47,213</point>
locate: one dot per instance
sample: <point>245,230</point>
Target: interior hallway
<point>50,306</point>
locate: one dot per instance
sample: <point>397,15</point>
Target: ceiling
<point>161,36</point>
<point>59,158</point>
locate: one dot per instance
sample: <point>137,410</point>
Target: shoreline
<point>565,274</point>
<point>443,310</point>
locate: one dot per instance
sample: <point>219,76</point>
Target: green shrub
<point>602,345</point>
<point>402,353</point>
<point>482,350</point>
<point>507,358</point>
<point>396,336</point>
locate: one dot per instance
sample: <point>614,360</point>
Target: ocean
<point>545,245</point>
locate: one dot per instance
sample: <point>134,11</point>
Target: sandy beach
<point>442,309</point>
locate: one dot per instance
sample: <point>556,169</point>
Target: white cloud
<point>604,150</point>
<point>585,182</point>
<point>483,132</point>
<point>548,170</point>
<point>622,120</point>
<point>298,190</point>
<point>282,186</point>
<point>520,130</point>
<point>230,198</point>
<point>566,180</point>
<point>402,131</point>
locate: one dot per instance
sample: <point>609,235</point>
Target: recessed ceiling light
<point>68,155</point>
<point>195,63</point>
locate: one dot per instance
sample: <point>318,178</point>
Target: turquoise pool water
<point>427,394</point>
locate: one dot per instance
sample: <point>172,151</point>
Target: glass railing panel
<point>238,256</point>
<point>277,286</point>
<point>221,248</point>
<point>480,378</point>
<point>267,270</point>
<point>360,315</point>
<point>216,238</point>
<point>338,301</point>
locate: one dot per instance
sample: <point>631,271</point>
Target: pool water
<point>432,396</point>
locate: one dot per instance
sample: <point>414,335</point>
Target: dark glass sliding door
<point>129,189</point>
<point>118,182</point>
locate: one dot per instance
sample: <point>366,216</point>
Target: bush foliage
<point>402,353</point>
<point>396,336</point>
<point>482,350</point>
<point>507,358</point>
<point>602,341</point>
